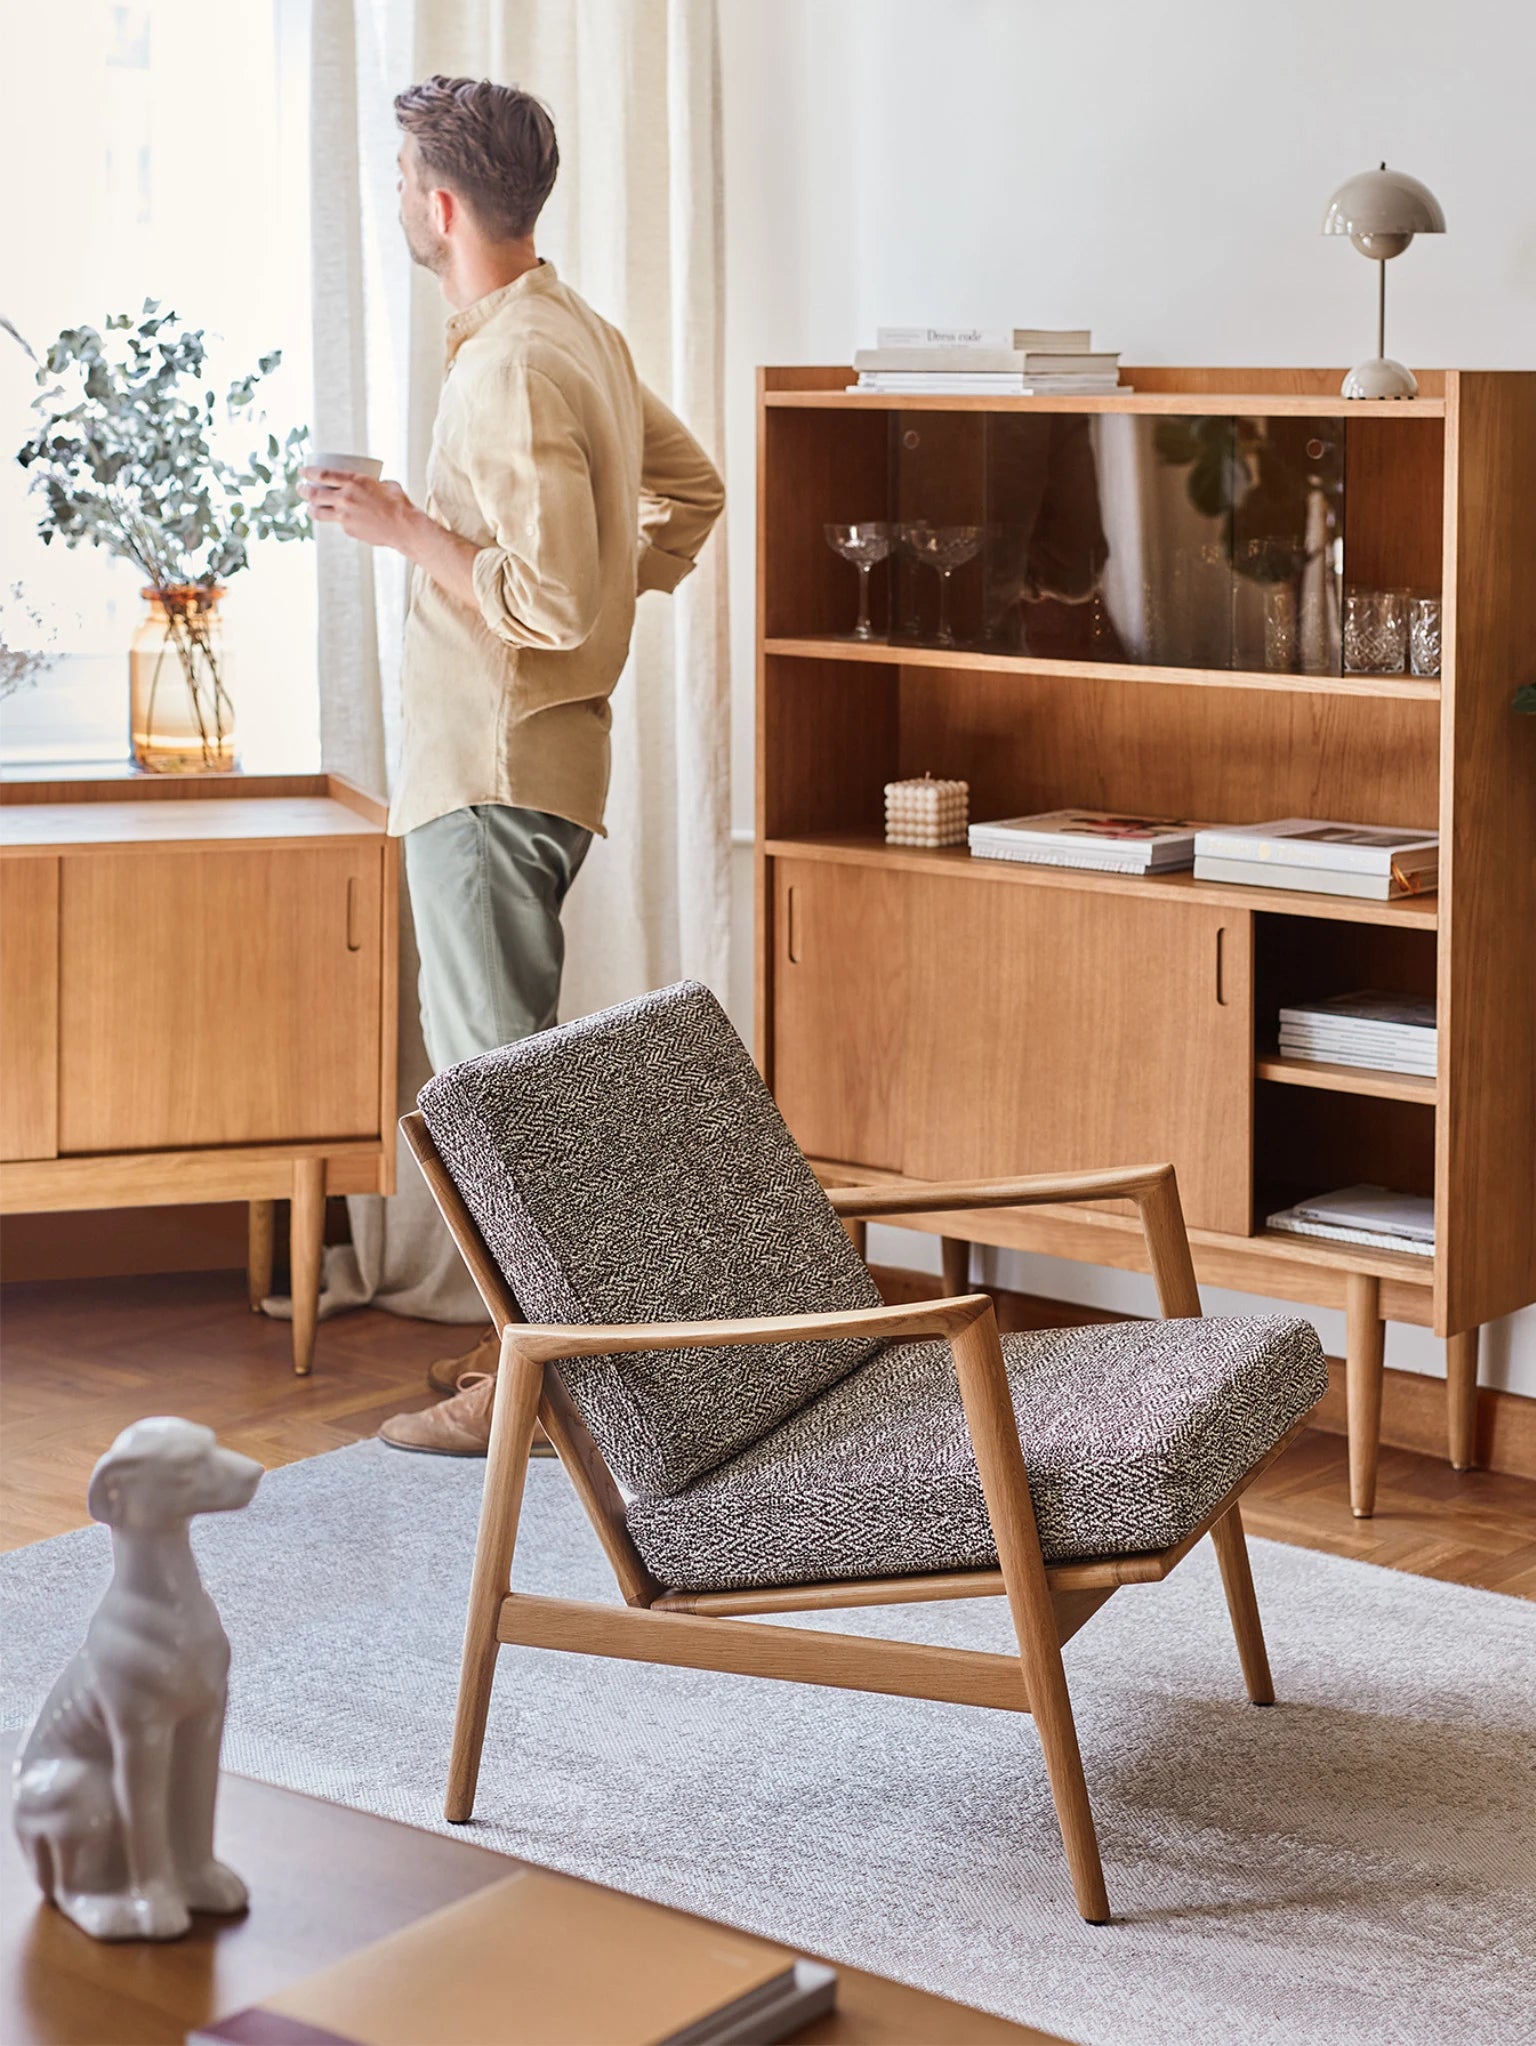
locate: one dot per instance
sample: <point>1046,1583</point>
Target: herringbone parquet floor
<point>79,1360</point>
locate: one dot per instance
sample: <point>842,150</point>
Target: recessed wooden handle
<point>791,932</point>
<point>1221,948</point>
<point>354,937</point>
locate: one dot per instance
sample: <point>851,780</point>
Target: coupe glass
<point>863,545</point>
<point>944,548</point>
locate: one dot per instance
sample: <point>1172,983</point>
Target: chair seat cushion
<point>1131,1431</point>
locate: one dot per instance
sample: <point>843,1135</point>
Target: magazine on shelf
<point>1357,1055</point>
<point>969,384</point>
<point>978,361</point>
<point>967,338</point>
<point>1313,880</point>
<point>1358,1051</point>
<point>1408,1220</point>
<point>1289,1223</point>
<point>1375,849</point>
<point>1367,1009</point>
<point>1111,841</point>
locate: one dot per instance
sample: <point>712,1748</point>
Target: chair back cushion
<point>632,1167</point>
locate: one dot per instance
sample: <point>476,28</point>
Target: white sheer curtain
<point>635,226</point>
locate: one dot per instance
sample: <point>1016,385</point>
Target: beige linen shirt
<point>580,489</point>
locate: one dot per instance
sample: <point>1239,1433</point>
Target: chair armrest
<point>1154,1189</point>
<point>1124,1182</point>
<point>547,1345</point>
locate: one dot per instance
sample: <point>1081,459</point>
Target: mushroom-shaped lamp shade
<point>1381,211</point>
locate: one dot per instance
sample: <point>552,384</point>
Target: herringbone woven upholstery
<point>633,1167</point>
<point>1131,1431</point>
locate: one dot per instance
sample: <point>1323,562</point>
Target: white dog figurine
<point>116,1782</point>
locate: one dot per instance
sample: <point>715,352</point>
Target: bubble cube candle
<point>926,812</point>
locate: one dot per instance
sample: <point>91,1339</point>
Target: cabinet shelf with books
<point>928,1015</point>
<point>860,849</point>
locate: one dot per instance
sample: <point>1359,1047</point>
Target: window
<point>163,155</point>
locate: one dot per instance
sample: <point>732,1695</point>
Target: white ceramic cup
<point>347,465</point>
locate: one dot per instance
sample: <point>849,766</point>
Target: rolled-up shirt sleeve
<point>538,581</point>
<point>681,496</point>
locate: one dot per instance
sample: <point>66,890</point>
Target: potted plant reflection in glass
<point>865,545</point>
<point>128,456</point>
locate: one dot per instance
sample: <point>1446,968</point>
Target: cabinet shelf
<point>1294,1072</point>
<point>969,660</point>
<point>1257,404</point>
<point>858,849</point>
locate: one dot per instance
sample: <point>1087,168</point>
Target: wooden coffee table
<point>324,1882</point>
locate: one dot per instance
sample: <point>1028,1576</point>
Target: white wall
<point>1155,172</point>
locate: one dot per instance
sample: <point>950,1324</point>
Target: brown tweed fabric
<point>1131,1433</point>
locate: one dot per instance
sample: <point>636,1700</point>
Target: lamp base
<point>1379,378</point>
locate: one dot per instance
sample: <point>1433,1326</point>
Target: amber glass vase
<point>181,718</point>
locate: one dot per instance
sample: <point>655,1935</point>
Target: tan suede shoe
<point>444,1375</point>
<point>460,1426</point>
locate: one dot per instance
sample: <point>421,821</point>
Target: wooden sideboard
<point>923,1015</point>
<point>198,1002</point>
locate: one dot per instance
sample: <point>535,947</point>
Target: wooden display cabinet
<point>923,1016</point>
<point>198,1002</point>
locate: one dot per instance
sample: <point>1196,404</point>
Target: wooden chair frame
<point>709,1630</point>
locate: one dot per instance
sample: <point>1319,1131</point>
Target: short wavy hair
<point>494,145</point>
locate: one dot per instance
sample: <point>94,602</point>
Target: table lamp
<point>1381,211</point>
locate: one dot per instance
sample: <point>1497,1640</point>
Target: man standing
<point>558,489</point>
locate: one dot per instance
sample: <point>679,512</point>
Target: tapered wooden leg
<point>306,1240</point>
<point>956,1252</point>
<point>1005,1485</point>
<point>1461,1398</point>
<point>1237,1581</point>
<point>1365,1339</point>
<point>858,1234</point>
<point>260,1233</point>
<point>519,1387</point>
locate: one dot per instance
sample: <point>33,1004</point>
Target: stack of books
<point>1024,362</point>
<point>1392,1033</point>
<point>1097,839</point>
<point>1372,1215</point>
<point>1380,862</point>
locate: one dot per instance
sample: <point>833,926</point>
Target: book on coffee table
<point>542,1960</point>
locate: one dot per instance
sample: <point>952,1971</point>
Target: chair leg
<point>519,1387</point>
<point>1237,1581</point>
<point>1365,1338</point>
<point>955,1252</point>
<point>1005,1486</point>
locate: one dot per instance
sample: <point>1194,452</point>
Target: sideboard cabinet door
<point>1056,1029</point>
<point>29,1008</point>
<point>839,1008</point>
<point>213,998</point>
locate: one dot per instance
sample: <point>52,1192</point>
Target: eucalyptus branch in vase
<point>129,455</point>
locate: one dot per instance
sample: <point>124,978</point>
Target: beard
<point>426,247</point>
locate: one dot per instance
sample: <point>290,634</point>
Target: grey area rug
<point>1355,1865</point>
